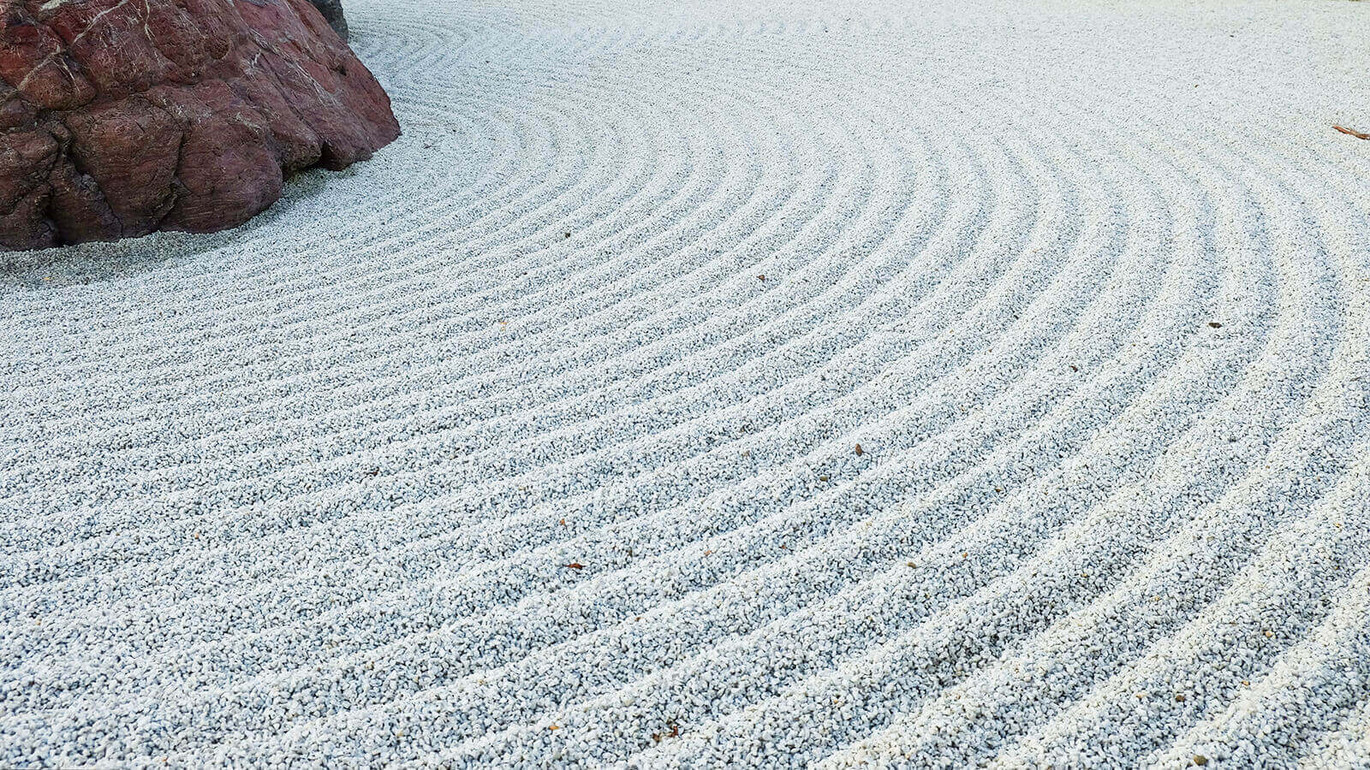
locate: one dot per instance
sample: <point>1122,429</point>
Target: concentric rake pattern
<point>533,441</point>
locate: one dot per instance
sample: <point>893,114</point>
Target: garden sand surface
<point>824,383</point>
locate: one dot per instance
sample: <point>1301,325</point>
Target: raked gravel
<point>534,441</point>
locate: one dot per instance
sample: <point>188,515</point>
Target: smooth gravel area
<point>730,383</point>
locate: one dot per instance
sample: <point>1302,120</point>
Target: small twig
<point>1356,134</point>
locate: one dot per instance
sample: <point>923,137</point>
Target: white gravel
<point>500,450</point>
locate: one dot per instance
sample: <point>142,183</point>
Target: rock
<point>118,118</point>
<point>332,11</point>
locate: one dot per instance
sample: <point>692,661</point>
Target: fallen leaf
<point>858,450</point>
<point>575,565</point>
<point>675,731</point>
<point>762,277</point>
<point>1215,325</point>
<point>1352,132</point>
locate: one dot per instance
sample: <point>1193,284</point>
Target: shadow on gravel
<point>88,263</point>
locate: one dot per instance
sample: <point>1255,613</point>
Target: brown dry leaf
<point>575,565</point>
<point>858,450</point>
<point>675,731</point>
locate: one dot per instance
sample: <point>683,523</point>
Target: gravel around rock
<point>728,383</point>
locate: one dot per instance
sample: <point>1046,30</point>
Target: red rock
<point>120,117</point>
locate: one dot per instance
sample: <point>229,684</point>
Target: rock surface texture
<point>332,11</point>
<point>123,117</point>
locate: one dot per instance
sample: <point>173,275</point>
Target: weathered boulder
<point>120,117</point>
<point>332,11</point>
